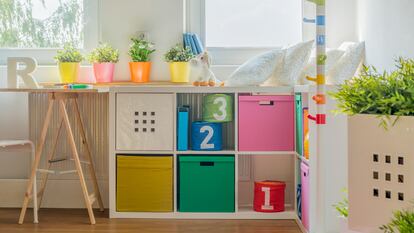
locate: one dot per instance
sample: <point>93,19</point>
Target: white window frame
<point>223,57</point>
<point>44,56</point>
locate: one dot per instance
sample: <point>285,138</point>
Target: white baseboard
<point>58,194</point>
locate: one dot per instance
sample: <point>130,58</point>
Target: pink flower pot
<point>104,72</point>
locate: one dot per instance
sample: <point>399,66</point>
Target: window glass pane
<point>253,23</point>
<point>41,23</point>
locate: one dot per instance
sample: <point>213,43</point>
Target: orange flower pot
<point>140,71</point>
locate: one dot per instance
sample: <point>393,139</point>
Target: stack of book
<point>193,41</point>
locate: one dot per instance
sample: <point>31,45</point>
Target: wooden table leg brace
<point>61,98</point>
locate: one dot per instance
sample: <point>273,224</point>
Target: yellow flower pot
<point>69,71</point>
<point>180,72</point>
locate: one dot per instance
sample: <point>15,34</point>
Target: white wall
<point>341,22</point>
<point>387,28</point>
<point>162,19</point>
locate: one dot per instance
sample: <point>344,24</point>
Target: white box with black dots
<point>144,122</point>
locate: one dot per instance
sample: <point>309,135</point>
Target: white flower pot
<point>381,170</point>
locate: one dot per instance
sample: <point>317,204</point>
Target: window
<point>252,23</point>
<point>235,30</point>
<point>42,26</point>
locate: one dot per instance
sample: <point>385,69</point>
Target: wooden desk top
<point>155,87</point>
<point>96,88</point>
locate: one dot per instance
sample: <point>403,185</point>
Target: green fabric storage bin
<point>218,108</point>
<point>299,124</point>
<point>206,184</point>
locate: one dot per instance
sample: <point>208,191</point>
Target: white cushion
<point>348,64</point>
<point>256,70</point>
<point>333,56</point>
<point>295,59</point>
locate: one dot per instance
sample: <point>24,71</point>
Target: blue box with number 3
<point>206,136</point>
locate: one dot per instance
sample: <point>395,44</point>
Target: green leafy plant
<point>386,94</point>
<point>402,221</point>
<point>69,54</point>
<point>342,206</point>
<point>104,53</point>
<point>179,54</point>
<point>140,50</point>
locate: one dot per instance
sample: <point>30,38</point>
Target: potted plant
<point>178,57</point>
<point>380,139</point>
<point>69,59</point>
<point>402,221</point>
<point>103,59</point>
<point>140,67</point>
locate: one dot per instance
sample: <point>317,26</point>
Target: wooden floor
<point>76,221</point>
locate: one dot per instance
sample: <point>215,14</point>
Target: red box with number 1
<point>269,196</point>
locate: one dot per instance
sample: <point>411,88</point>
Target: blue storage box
<point>206,136</point>
<point>183,120</point>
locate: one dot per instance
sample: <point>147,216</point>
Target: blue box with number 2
<point>206,136</point>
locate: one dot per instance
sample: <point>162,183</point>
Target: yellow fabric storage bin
<point>144,184</point>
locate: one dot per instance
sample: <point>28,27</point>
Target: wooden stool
<point>62,99</point>
<point>23,145</point>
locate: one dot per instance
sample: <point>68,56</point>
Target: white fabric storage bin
<point>144,122</point>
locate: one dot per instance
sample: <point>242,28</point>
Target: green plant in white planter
<point>380,156</point>
<point>178,57</point>
<point>103,59</point>
<point>383,94</point>
<point>69,59</point>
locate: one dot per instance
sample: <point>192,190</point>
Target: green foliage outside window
<point>20,29</point>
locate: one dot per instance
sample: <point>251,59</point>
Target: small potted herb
<point>103,59</point>
<point>178,57</point>
<point>140,67</point>
<point>69,59</point>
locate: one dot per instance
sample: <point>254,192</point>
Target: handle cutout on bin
<point>266,103</point>
<point>206,164</point>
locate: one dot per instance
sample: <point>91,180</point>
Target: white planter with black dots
<point>381,170</point>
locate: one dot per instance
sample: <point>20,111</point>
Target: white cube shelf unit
<point>162,101</point>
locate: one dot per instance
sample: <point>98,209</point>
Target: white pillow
<point>333,56</point>
<point>256,70</point>
<point>348,64</point>
<point>295,59</point>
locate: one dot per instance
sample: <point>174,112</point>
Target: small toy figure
<point>201,72</point>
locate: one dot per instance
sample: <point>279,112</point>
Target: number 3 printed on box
<point>205,143</point>
<point>223,109</point>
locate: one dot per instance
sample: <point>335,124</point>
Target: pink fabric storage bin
<point>266,123</point>
<point>305,195</point>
